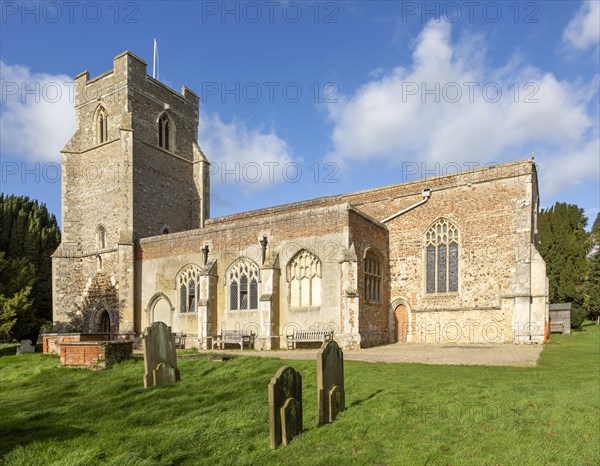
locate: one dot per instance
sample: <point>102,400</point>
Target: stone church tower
<point>132,169</point>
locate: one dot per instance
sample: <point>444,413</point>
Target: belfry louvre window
<point>304,280</point>
<point>101,126</point>
<point>441,251</point>
<point>188,283</point>
<point>372,276</point>
<point>164,132</point>
<point>243,285</point>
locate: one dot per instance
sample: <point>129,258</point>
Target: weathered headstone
<point>330,382</point>
<point>160,358</point>
<point>25,347</point>
<point>285,406</point>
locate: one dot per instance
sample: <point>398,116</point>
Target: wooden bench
<point>179,340</point>
<point>308,336</point>
<point>233,337</point>
<point>557,327</point>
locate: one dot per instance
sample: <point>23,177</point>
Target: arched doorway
<point>401,321</point>
<point>104,325</point>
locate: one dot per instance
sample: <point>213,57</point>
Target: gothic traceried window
<point>165,134</point>
<point>188,283</point>
<point>441,257</point>
<point>304,280</point>
<point>101,126</point>
<point>373,272</point>
<point>242,279</point>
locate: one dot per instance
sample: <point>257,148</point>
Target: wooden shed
<point>560,318</point>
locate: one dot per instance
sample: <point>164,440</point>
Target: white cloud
<point>583,30</point>
<point>252,158</point>
<point>38,116</point>
<point>570,168</point>
<point>393,118</point>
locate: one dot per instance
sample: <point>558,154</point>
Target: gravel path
<point>486,355</point>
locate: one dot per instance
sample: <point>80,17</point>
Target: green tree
<point>565,246</point>
<point>28,233</point>
<point>592,284</point>
<point>17,277</point>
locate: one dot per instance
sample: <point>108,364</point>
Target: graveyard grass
<point>217,414</point>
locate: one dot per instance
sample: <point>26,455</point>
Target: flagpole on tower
<point>155,64</point>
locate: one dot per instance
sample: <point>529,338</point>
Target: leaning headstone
<point>330,382</point>
<point>160,358</point>
<point>25,347</point>
<point>285,406</point>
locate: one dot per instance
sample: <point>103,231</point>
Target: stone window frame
<point>373,268</point>
<point>441,243</point>
<point>100,124</point>
<point>101,237</point>
<point>298,271</point>
<point>188,288</point>
<point>165,134</point>
<point>242,269</point>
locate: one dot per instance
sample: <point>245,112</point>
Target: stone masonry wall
<point>373,316</point>
<point>324,232</point>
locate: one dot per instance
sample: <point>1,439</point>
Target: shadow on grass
<point>14,435</point>
<point>359,402</point>
<point>9,350</point>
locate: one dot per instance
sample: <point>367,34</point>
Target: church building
<point>448,259</point>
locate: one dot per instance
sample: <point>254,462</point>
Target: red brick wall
<point>98,355</point>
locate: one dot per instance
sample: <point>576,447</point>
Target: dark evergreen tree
<point>592,285</point>
<point>28,232</point>
<point>564,246</point>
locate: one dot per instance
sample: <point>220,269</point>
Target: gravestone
<point>25,347</point>
<point>285,406</point>
<point>160,358</point>
<point>330,382</point>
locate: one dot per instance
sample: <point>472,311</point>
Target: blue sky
<point>305,99</point>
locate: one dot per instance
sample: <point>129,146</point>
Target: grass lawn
<point>396,413</point>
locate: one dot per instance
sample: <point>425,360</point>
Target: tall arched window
<point>165,135</point>
<point>101,126</point>
<point>441,251</point>
<point>188,284</point>
<point>304,280</point>
<point>373,272</point>
<point>242,278</point>
<point>101,237</point>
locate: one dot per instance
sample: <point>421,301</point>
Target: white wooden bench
<point>233,337</point>
<point>308,336</point>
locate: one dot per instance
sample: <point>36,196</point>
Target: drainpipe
<point>426,194</point>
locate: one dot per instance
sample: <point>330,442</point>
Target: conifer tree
<point>564,247</point>
<point>28,237</point>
